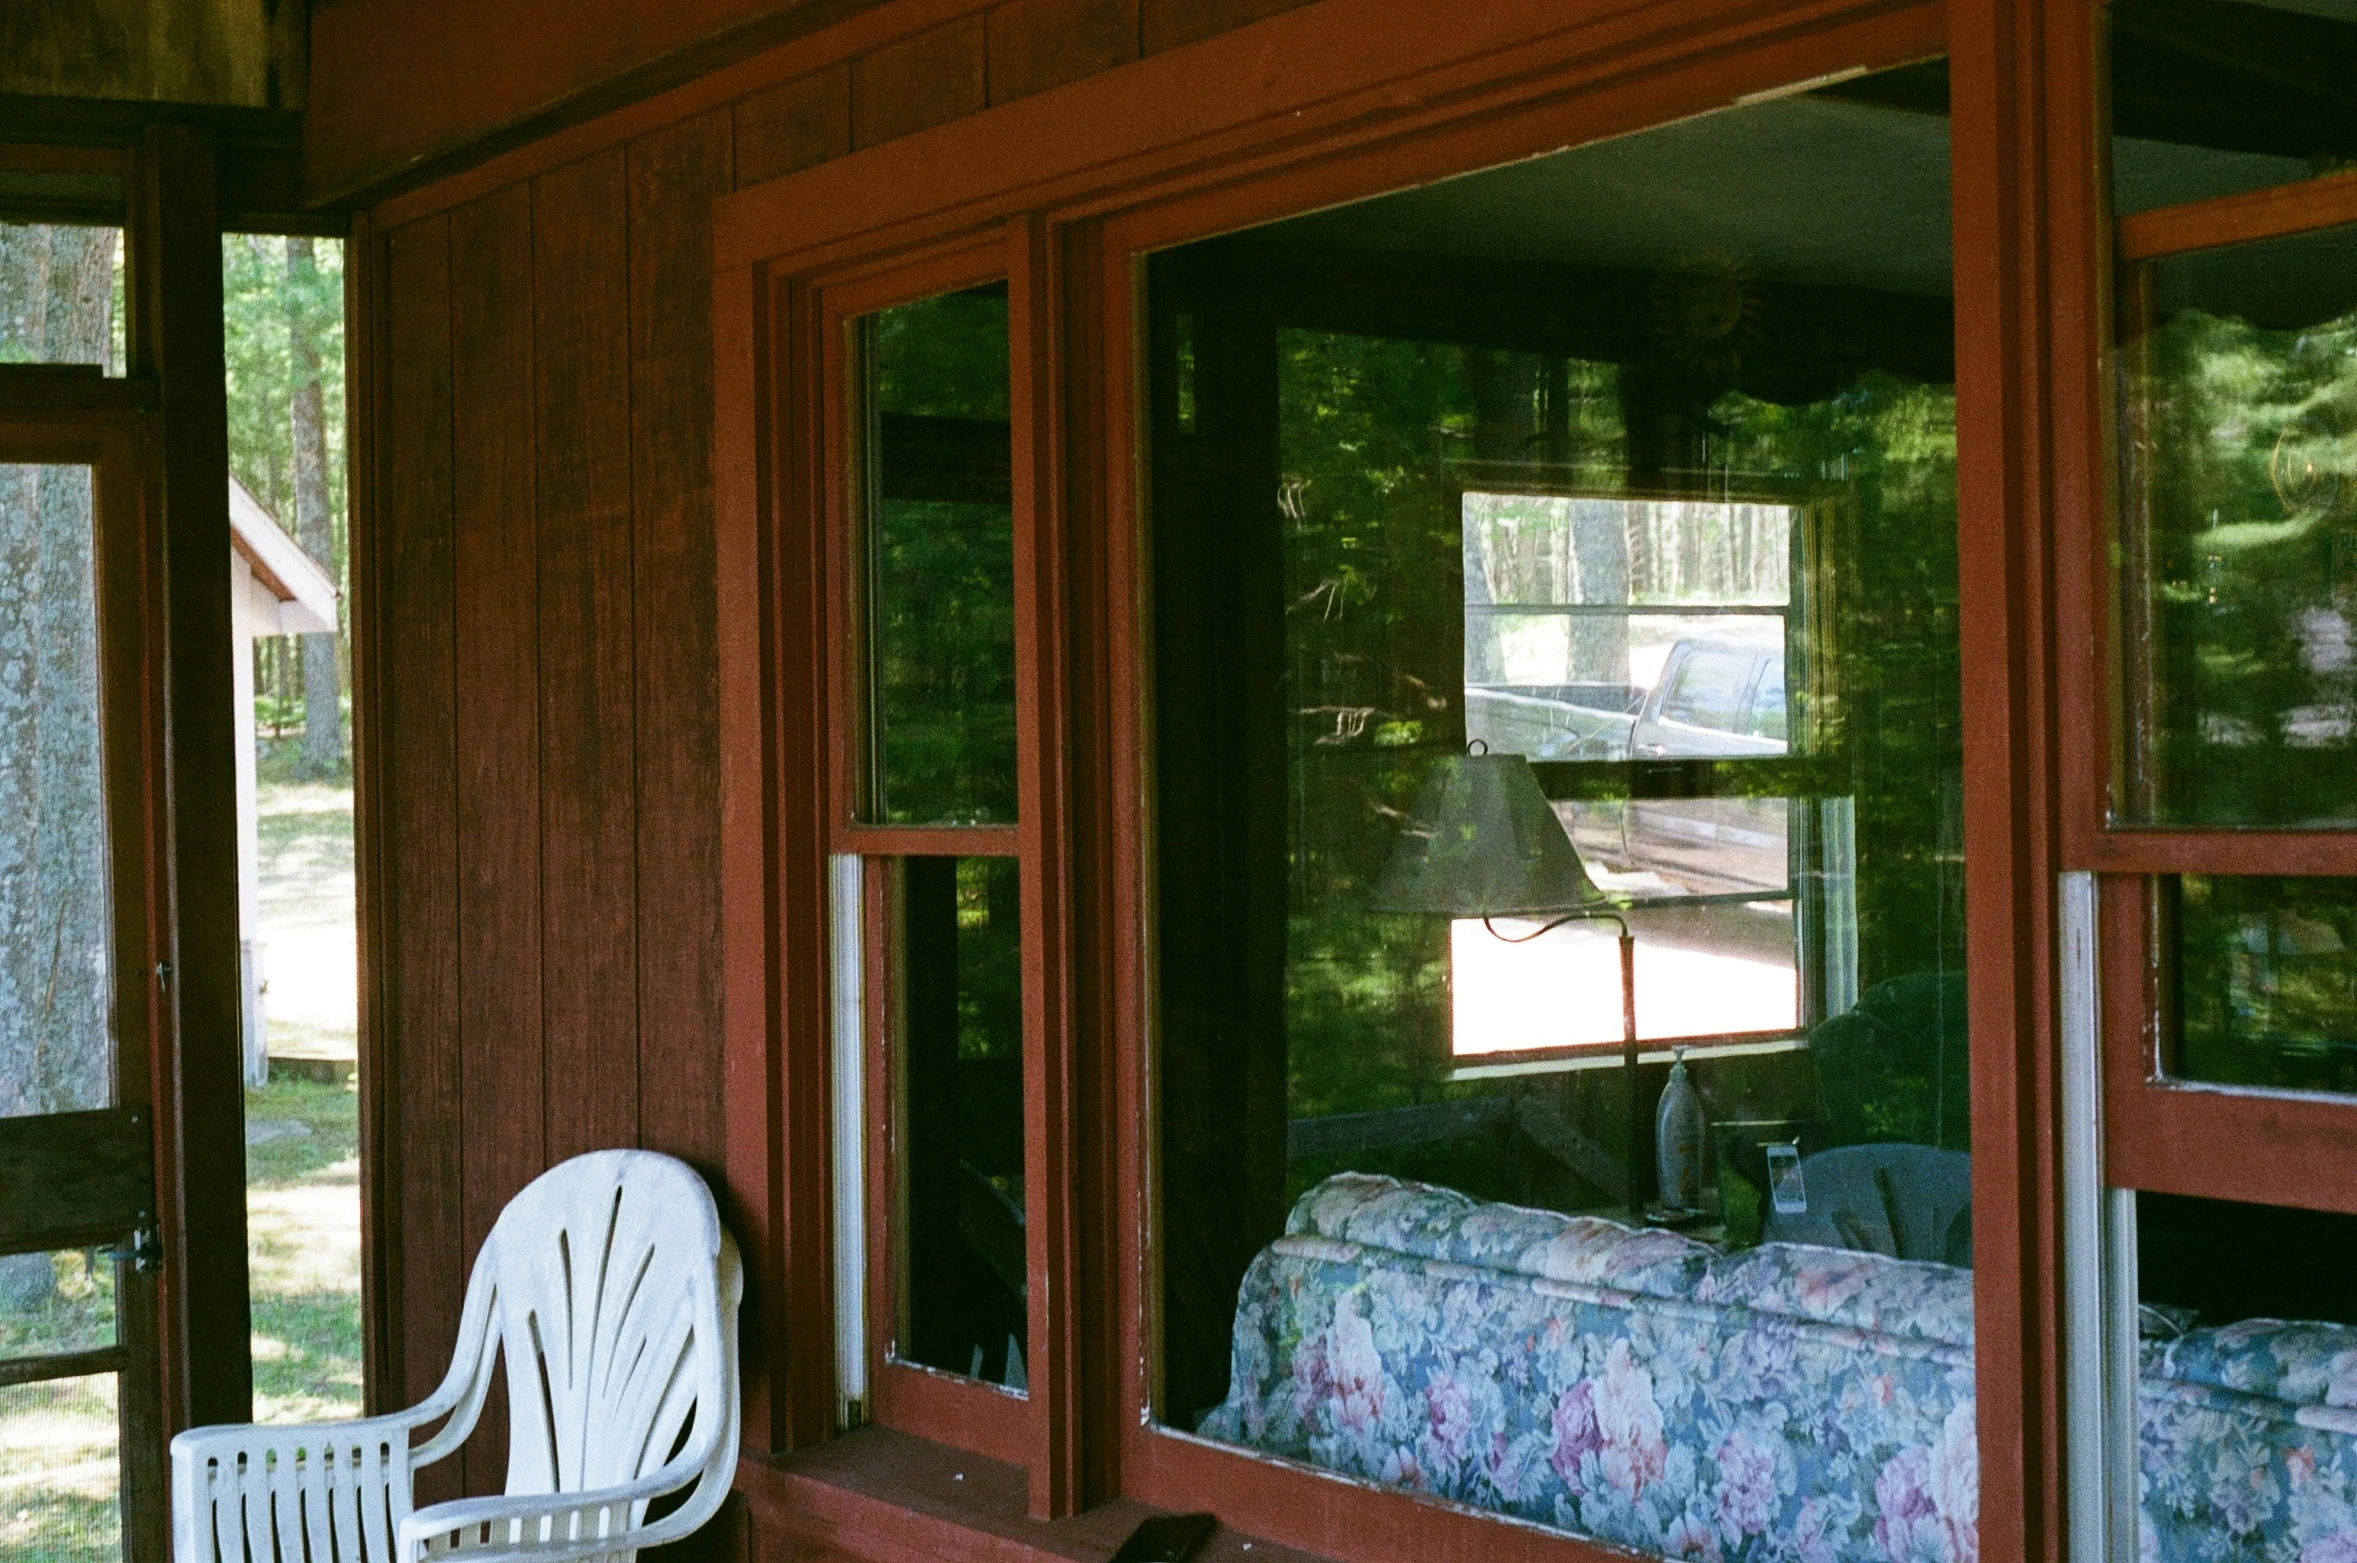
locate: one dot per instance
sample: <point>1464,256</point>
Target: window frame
<point>2161,1132</point>
<point>1378,96</point>
<point>1809,770</point>
<point>904,1395</point>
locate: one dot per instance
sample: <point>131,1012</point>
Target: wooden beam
<point>2273,213</point>
<point>176,336</point>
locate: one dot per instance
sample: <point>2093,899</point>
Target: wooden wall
<point>536,611</point>
<point>546,743</point>
<point>404,86</point>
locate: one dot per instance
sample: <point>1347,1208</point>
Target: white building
<point>274,589</point>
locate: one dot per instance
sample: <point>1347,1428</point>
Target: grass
<point>303,1251</point>
<point>58,1481</point>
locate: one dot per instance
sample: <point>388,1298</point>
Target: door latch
<point>143,1250</point>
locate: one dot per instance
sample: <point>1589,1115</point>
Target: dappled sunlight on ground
<point>310,957</point>
<point>302,1137</point>
<point>57,1472</point>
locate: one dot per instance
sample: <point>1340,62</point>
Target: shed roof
<point>304,589</point>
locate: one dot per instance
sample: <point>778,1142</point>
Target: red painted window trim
<point>1340,100</point>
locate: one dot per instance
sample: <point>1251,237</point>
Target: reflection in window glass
<point>2248,1373</point>
<point>56,995</point>
<point>941,563</point>
<point>1635,463</point>
<point>2240,677</point>
<point>1571,625</point>
<point>960,1129</point>
<point>2212,97</point>
<point>2267,982</point>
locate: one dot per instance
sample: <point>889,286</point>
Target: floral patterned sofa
<point>1783,1402</point>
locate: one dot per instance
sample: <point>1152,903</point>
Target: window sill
<point>880,1494</point>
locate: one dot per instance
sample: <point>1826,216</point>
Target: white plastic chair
<point>613,1288</point>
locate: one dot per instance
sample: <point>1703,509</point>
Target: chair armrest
<point>548,1527</point>
<point>230,1438</point>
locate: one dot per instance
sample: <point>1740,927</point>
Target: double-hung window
<point>2214,910</point>
<point>1448,729</point>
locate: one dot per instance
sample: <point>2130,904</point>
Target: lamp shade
<point>1482,841</point>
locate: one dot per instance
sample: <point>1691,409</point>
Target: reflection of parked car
<point>1718,697</point>
<point>1554,721</point>
<point>1694,846</point>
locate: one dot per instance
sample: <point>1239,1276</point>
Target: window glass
<point>57,1048</point>
<point>61,294</point>
<point>962,1263</point>
<point>2247,1370</point>
<point>2266,981</point>
<point>2212,97</point>
<point>1611,569</point>
<point>940,562</point>
<point>2239,697</point>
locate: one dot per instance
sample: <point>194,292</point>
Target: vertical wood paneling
<point>418,767</point>
<point>497,700</point>
<point>791,126</point>
<point>1038,44</point>
<point>919,82</point>
<point>1166,24</point>
<point>496,697</point>
<point>673,177</point>
<point>588,813</point>
<point>544,592</point>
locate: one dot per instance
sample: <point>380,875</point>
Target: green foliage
<point>1375,657</point>
<point>257,296</point>
<point>943,357</point>
<point>990,960</point>
<point>1888,447</point>
<point>944,617</point>
<point>2267,982</point>
<point>2248,458</point>
<point>942,558</point>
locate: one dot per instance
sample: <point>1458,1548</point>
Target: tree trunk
<point>56,1035</point>
<point>323,717</point>
<point>1504,387</point>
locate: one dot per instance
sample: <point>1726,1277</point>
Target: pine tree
<point>323,727</point>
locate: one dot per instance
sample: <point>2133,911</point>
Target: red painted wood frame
<point>2164,1134</point>
<point>944,1406</point>
<point>1371,95</point>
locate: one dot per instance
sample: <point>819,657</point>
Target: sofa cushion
<point>1424,1222</point>
<point>2296,1363</point>
<point>1904,1298</point>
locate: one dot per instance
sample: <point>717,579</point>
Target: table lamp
<point>1482,841</point>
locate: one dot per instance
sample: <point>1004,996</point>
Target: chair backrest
<point>1895,1068</point>
<point>1907,1201</point>
<point>613,1293</point>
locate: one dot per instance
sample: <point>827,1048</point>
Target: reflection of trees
<point>943,595</point>
<point>1373,551</point>
<point>56,285</point>
<point>2267,982</point>
<point>2245,441</point>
